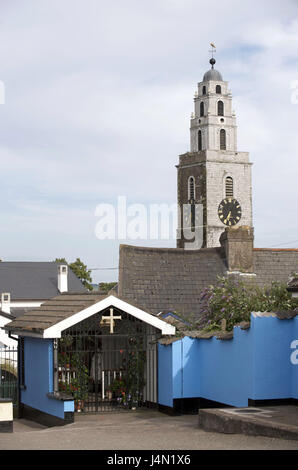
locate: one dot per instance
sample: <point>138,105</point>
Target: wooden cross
<point>110,319</point>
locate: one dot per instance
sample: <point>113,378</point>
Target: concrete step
<point>275,421</point>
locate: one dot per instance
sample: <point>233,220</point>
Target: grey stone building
<point>217,176</point>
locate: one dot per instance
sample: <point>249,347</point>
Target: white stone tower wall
<point>216,173</point>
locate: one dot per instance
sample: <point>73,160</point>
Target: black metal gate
<point>9,373</point>
<point>109,362</point>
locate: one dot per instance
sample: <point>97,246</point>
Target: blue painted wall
<point>271,358</point>
<point>38,354</point>
<point>226,368</point>
<point>186,371</point>
<point>165,382</point>
<point>294,358</point>
<point>256,364</point>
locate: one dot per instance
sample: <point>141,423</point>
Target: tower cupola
<point>212,74</point>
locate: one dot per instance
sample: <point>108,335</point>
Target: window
<point>220,108</point>
<point>202,109</point>
<point>222,139</point>
<point>191,189</point>
<point>199,140</point>
<point>229,187</point>
<point>204,90</point>
<point>218,89</point>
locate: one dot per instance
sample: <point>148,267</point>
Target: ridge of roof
<point>170,250</point>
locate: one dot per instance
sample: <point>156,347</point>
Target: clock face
<point>229,211</point>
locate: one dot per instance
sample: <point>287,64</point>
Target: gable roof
<point>173,278</point>
<point>34,280</point>
<point>66,310</point>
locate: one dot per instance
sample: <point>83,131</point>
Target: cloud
<point>98,101</point>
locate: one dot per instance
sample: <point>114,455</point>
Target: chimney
<point>237,248</point>
<point>63,278</point>
<point>5,302</point>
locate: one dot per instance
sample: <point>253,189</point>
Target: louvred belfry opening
<point>229,187</point>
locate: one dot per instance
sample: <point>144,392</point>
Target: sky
<point>98,98</point>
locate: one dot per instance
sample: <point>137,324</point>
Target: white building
<point>26,285</point>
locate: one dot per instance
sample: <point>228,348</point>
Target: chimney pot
<point>5,302</point>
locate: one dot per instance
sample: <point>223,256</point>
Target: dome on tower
<point>212,74</point>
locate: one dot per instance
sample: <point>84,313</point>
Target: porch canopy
<point>67,309</point>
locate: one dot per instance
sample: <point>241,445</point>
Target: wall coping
<point>60,396</point>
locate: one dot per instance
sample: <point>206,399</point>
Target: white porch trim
<point>55,330</point>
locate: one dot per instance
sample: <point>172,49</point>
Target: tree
<point>106,286</point>
<point>80,270</point>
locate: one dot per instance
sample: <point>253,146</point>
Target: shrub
<point>235,300</point>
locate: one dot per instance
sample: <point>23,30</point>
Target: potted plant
<point>117,390</point>
<point>77,383</point>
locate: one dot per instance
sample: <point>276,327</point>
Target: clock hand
<point>228,216</point>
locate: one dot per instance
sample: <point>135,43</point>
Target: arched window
<point>218,89</point>
<point>201,109</point>
<point>191,189</point>
<point>229,187</point>
<point>222,139</point>
<point>204,90</point>
<point>200,141</point>
<point>220,108</point>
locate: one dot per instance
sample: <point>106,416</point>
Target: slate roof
<point>173,279</point>
<point>34,280</point>
<point>274,264</point>
<point>53,311</point>
<point>167,278</point>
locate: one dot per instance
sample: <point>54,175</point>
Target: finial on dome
<point>212,62</point>
<point>212,74</point>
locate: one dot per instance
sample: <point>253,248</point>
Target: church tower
<point>213,174</point>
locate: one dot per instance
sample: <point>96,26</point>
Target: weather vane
<point>213,50</point>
